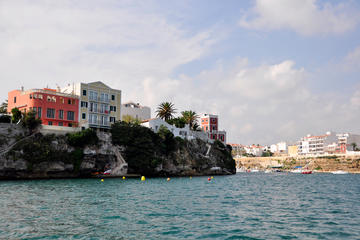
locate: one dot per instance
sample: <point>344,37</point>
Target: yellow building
<point>292,150</point>
<point>99,106</point>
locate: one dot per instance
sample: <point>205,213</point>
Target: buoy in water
<point>102,180</point>
<point>123,177</point>
<point>143,178</point>
<point>212,177</point>
<point>190,177</point>
<point>209,179</point>
<point>168,179</point>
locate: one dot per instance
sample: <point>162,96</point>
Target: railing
<point>99,99</point>
<point>99,110</point>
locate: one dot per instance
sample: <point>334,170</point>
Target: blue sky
<point>272,70</point>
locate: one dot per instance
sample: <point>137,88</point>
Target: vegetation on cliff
<point>161,153</point>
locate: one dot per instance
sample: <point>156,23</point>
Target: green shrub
<point>5,119</point>
<point>82,138</point>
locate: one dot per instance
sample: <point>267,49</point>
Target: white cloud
<point>261,104</point>
<point>121,43</point>
<point>306,17</point>
<point>352,60</point>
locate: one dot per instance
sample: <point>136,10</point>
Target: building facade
<point>209,123</point>
<point>185,132</point>
<point>330,143</point>
<point>135,110</point>
<point>100,105</point>
<point>53,107</point>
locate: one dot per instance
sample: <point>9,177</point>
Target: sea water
<point>242,206</point>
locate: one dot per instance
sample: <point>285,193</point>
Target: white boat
<point>340,172</point>
<point>296,171</point>
<point>254,170</point>
<point>268,171</point>
<point>240,170</point>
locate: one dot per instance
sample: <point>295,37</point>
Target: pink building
<point>210,124</point>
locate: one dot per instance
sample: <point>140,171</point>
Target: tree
<point>30,121</point>
<point>179,122</point>
<point>165,111</point>
<point>16,115</point>
<point>190,117</point>
<point>354,146</point>
<point>3,107</point>
<point>131,119</point>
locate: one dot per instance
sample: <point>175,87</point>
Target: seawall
<point>320,164</point>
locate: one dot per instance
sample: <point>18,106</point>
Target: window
<point>84,116</point>
<point>113,108</point>
<point>30,96</point>
<point>14,99</point>
<point>84,92</point>
<point>61,114</point>
<point>35,96</point>
<point>61,124</point>
<point>93,95</point>
<point>113,97</point>
<point>48,98</point>
<point>70,124</point>
<point>50,113</point>
<point>69,101</point>
<point>34,108</point>
<point>39,112</point>
<point>92,119</point>
<point>50,123</point>
<point>112,119</point>
<point>70,115</point>
<point>84,104</point>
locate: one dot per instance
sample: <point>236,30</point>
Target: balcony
<point>99,99</point>
<point>99,110</point>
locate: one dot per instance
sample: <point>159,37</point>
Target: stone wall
<point>321,164</point>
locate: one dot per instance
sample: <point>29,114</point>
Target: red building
<point>210,124</point>
<point>52,107</point>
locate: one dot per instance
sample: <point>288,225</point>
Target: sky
<point>271,70</point>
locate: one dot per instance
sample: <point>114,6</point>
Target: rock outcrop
<point>53,156</point>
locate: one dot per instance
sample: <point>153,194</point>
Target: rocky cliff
<point>63,156</point>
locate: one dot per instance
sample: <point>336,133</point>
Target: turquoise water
<point>243,206</point>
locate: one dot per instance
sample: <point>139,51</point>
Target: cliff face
<point>59,156</point>
<point>198,158</point>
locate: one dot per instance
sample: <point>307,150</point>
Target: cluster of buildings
<point>96,105</point>
<point>309,146</point>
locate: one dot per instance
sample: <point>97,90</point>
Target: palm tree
<point>165,111</point>
<point>190,117</point>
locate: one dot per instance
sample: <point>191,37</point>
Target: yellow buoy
<point>168,179</point>
<point>190,177</point>
<point>102,180</point>
<point>212,177</point>
<point>143,178</point>
<point>123,177</point>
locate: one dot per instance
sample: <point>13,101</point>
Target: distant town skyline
<point>271,70</point>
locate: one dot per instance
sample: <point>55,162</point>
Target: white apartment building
<point>185,132</point>
<point>100,105</point>
<point>135,110</point>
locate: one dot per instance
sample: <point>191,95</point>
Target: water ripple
<point>245,206</point>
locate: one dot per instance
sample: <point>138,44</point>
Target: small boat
<point>340,172</point>
<point>240,170</point>
<point>254,170</point>
<point>306,171</point>
<point>268,171</point>
<point>297,169</point>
